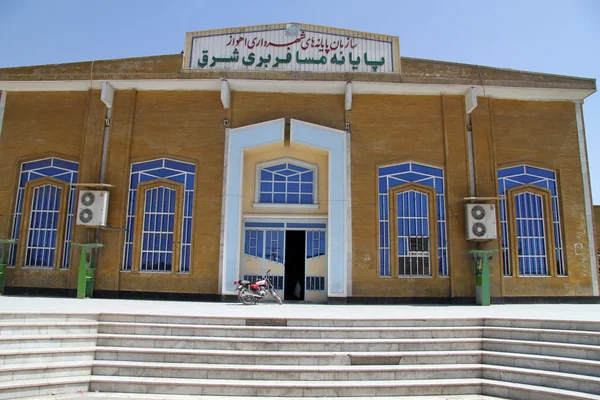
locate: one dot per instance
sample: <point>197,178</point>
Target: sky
<point>550,36</point>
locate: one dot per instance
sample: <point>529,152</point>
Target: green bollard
<point>482,276</point>
<point>87,264</point>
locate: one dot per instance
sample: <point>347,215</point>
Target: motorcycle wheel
<point>276,297</point>
<point>246,297</point>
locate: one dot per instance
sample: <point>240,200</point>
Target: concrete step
<point>543,324</point>
<point>543,335</point>
<point>289,331</point>
<point>204,356</point>
<point>46,355</point>
<point>542,363</point>
<point>47,316</point>
<point>287,372</point>
<point>45,386</point>
<point>290,322</point>
<point>549,379</point>
<point>10,372</point>
<point>520,391</point>
<point>43,327</point>
<point>266,388</point>
<point>144,396</point>
<point>585,352</point>
<point>48,340</point>
<point>287,344</point>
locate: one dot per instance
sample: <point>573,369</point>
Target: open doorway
<point>294,265</point>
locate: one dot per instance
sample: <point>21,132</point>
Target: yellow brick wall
<point>188,125</point>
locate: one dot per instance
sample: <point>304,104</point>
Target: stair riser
<point>42,391</point>
<point>46,358</point>
<point>46,330</point>
<point>297,334</point>
<point>544,365</point>
<point>522,394</point>
<point>543,324</point>
<point>43,373</point>
<point>153,319</point>
<point>265,346</point>
<point>550,382</point>
<point>36,343</point>
<point>292,375</point>
<point>286,391</point>
<point>544,350</point>
<point>274,359</point>
<point>573,338</point>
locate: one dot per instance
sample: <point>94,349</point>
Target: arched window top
<point>162,169</point>
<point>50,167</point>
<point>286,181</point>
<point>529,178</point>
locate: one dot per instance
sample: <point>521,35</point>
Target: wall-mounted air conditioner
<point>92,207</point>
<point>481,221</point>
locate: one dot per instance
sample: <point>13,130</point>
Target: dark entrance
<point>294,264</point>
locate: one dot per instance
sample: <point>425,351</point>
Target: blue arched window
<point>158,210</point>
<point>530,218</point>
<point>44,215</point>
<point>286,181</point>
<point>391,176</point>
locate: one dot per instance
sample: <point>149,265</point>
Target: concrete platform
<point>571,312</point>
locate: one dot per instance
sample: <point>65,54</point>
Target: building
<point>279,147</point>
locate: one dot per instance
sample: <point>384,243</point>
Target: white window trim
<point>266,164</point>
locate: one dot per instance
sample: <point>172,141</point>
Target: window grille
<point>315,283</point>
<point>43,227</point>
<point>57,168</point>
<point>527,175</point>
<point>287,183</point>
<point>413,233</point>
<point>267,244</point>
<point>315,243</point>
<point>398,174</point>
<point>531,237</point>
<point>158,229</point>
<point>176,171</point>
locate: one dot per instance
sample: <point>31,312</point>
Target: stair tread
<point>63,380</point>
<point>49,337</point>
<point>283,340</point>
<point>38,350</point>
<point>281,353</point>
<point>540,330</point>
<point>289,327</point>
<point>48,365</point>
<point>279,368</point>
<point>283,383</point>
<point>540,357</point>
<point>557,374</point>
<point>541,389</point>
<point>545,343</point>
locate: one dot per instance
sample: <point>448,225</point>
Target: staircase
<point>155,357</point>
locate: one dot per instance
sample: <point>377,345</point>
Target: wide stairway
<point>175,357</point>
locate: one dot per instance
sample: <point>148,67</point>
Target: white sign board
<point>291,49</point>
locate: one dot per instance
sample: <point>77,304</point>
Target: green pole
<point>482,276</point>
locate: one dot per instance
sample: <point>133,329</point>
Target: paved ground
<point>123,396</point>
<point>582,312</point>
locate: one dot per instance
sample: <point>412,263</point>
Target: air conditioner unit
<point>481,221</point>
<point>92,208</point>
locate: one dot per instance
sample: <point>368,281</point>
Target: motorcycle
<point>251,293</point>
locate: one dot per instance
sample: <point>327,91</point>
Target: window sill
<point>274,206</point>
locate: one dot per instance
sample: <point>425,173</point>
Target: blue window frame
<point>267,244</point>
<point>286,183</point>
<point>398,174</point>
<point>520,175</point>
<point>315,243</point>
<point>57,168</point>
<point>315,283</point>
<point>158,229</point>
<point>413,233</point>
<point>173,170</point>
